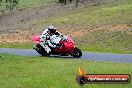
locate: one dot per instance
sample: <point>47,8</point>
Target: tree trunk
<point>70,1</point>
<point>65,1</point>
<point>77,1</point>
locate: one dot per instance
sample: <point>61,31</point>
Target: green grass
<point>106,41</point>
<point>44,72</point>
<point>120,12</point>
<point>97,48</point>
<point>24,4</point>
<point>33,3</point>
<point>17,45</point>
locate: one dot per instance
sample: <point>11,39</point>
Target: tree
<point>11,4</point>
<point>61,1</point>
<point>65,1</point>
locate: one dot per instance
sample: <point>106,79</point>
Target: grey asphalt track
<point>107,57</point>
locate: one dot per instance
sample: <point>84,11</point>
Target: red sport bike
<point>66,48</point>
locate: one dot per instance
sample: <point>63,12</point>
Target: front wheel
<point>77,52</point>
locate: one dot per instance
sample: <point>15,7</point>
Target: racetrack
<point>107,57</point>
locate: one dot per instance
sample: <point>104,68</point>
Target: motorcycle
<point>66,48</point>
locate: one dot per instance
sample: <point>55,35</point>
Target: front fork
<point>71,51</point>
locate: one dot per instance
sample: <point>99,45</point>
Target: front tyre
<point>77,52</point>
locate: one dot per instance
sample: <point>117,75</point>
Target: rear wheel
<point>77,53</point>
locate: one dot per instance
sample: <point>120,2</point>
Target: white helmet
<point>51,27</point>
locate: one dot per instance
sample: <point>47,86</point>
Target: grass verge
<point>17,45</point>
<point>44,72</point>
<point>106,41</point>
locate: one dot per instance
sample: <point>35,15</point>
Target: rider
<point>50,28</point>
<point>45,39</point>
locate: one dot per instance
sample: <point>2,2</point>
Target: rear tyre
<point>41,50</point>
<point>77,53</point>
